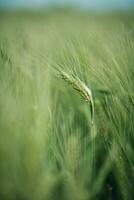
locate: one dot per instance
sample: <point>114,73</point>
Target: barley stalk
<point>82,89</point>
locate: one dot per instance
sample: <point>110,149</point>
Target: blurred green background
<point>48,148</point>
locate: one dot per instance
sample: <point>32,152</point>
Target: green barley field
<point>49,147</point>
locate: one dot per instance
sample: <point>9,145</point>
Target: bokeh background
<point>85,4</point>
<point>48,148</point>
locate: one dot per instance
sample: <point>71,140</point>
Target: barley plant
<point>83,90</point>
<point>55,145</point>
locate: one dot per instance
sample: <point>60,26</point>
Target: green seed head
<point>82,89</point>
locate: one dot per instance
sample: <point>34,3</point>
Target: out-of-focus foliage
<point>48,148</point>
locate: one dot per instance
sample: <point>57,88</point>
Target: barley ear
<point>81,88</point>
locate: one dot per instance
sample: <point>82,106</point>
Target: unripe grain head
<point>82,89</point>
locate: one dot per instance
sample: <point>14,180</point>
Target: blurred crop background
<point>48,148</point>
